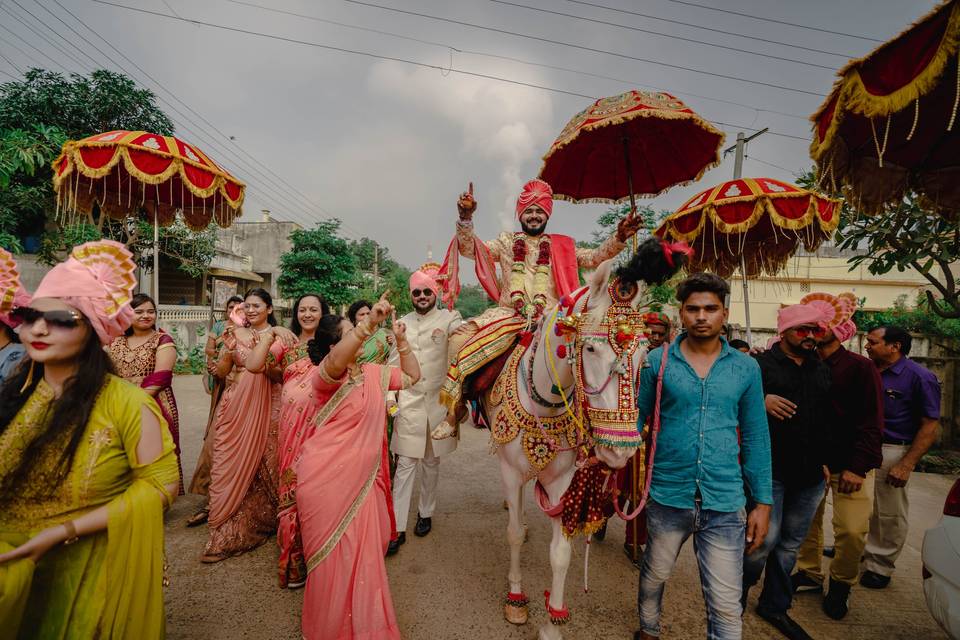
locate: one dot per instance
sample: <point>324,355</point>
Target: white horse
<point>568,401</point>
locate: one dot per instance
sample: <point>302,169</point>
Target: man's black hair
<point>892,333</point>
<point>703,282</point>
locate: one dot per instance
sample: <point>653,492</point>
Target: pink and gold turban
<point>425,278</point>
<point>536,192</point>
<point>838,311</point>
<point>799,314</point>
<point>97,279</point>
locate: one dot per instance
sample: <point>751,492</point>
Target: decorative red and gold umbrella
<point>124,172</point>
<point>751,223</point>
<point>634,144</point>
<point>890,123</point>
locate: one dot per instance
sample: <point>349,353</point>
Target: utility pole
<point>376,266</point>
<point>740,147</point>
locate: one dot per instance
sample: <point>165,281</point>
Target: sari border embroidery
<point>334,539</point>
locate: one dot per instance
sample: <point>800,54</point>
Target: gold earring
<point>29,379</point>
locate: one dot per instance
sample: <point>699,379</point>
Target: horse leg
<point>515,608</point>
<point>560,551</point>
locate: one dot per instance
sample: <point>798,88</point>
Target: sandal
<point>443,431</point>
<point>199,517</point>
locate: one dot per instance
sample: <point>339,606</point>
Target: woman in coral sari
<point>145,357</point>
<point>243,475</point>
<point>298,407</point>
<point>86,464</point>
<point>342,485</point>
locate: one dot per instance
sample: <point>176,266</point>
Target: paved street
<point>450,584</point>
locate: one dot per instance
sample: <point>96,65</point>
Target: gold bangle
<point>71,532</point>
<point>404,351</point>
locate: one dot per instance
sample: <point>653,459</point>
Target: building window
<point>805,286</point>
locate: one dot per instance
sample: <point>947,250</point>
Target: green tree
<point>473,301</point>
<point>902,236</point>
<point>320,261</point>
<point>40,112</point>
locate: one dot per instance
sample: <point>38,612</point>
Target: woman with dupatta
<point>87,464</point>
<point>343,482</point>
<point>219,377</point>
<point>298,407</point>
<point>145,357</point>
<point>376,348</point>
<point>243,475</point>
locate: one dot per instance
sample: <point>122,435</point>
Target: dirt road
<point>449,585</point>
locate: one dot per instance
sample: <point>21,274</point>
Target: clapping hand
<point>467,204</point>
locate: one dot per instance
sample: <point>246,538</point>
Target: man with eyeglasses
<point>796,386</point>
<point>418,408</point>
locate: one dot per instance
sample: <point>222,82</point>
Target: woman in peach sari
<point>243,475</point>
<point>298,407</point>
<point>343,479</point>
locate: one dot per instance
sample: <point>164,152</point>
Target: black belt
<point>887,440</point>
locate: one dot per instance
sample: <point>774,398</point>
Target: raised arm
<point>344,353</point>
<point>466,206</point>
<point>591,258</point>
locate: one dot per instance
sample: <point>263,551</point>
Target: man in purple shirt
<point>911,408</point>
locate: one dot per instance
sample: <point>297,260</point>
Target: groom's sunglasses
<point>63,318</point>
<point>422,292</point>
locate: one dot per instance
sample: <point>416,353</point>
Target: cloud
<point>507,127</point>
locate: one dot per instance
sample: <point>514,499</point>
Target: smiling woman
<point>87,464</point>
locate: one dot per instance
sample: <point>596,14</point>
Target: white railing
<point>182,313</point>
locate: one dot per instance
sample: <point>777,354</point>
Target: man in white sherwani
<point>419,406</point>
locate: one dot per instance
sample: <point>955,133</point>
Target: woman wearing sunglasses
<point>145,357</point>
<point>243,474</point>
<point>87,464</point>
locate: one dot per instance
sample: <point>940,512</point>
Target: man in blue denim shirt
<point>710,392</point>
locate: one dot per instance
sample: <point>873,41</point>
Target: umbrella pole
<point>746,297</point>
<point>633,200</point>
<point>156,257</point>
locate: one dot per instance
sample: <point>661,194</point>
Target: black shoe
<point>394,545</point>
<point>785,624</point>
<point>872,580</point>
<point>835,604</point>
<point>423,526</point>
<point>802,583</point>
<point>829,552</point>
<point>600,534</point>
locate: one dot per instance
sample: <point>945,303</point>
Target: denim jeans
<point>718,542</point>
<point>790,518</point>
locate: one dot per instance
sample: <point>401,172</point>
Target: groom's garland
<point>541,277</point>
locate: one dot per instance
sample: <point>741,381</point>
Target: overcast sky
<point>387,146</point>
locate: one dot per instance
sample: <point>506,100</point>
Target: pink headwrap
<point>799,314</point>
<point>12,293</point>
<point>97,279</point>
<point>536,192</point>
<point>422,279</point>
<point>838,311</point>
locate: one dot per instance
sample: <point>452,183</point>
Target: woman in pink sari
<point>343,481</point>
<point>243,475</point>
<point>298,407</point>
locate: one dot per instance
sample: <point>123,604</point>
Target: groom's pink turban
<point>536,192</point>
<point>423,280</point>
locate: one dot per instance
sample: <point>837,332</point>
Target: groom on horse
<point>537,269</point>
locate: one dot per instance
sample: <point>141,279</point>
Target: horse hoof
<point>515,614</point>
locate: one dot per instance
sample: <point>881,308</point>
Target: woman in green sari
<point>376,348</point>
<point>87,464</point>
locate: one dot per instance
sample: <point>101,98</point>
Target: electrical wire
<point>444,69</point>
<point>570,45</point>
<point>773,20</point>
<point>714,30</point>
<point>11,63</point>
<point>658,33</point>
<point>40,35</point>
<point>22,52</point>
<point>771,164</point>
<point>279,195</point>
<point>531,63</point>
<point>54,31</point>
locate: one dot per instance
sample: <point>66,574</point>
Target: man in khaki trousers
<point>855,423</point>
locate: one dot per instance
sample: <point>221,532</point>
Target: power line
<point>773,20</point>
<point>510,58</point>
<point>11,63</point>
<point>278,195</point>
<point>573,46</point>
<point>54,31</point>
<point>714,30</point>
<point>247,167</point>
<point>658,33</point>
<point>9,75</point>
<point>22,52</point>
<point>40,35</point>
<point>771,164</point>
<point>396,59</point>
